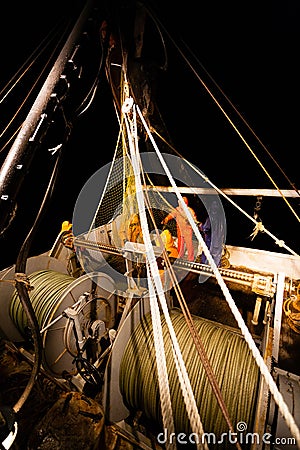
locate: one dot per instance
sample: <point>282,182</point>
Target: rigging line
<point>154,18</point>
<point>244,121</point>
<point>21,105</point>
<point>196,338</point>
<point>185,384</point>
<point>16,82</point>
<point>11,138</point>
<point>204,359</point>
<point>231,123</point>
<point>27,67</point>
<point>91,94</point>
<point>102,64</point>
<point>161,363</point>
<point>23,102</point>
<point>189,320</point>
<point>187,392</point>
<point>247,145</point>
<point>29,92</point>
<point>94,87</point>
<point>88,100</point>
<point>164,388</point>
<point>23,291</point>
<point>201,351</point>
<point>198,344</point>
<point>282,406</point>
<point>279,242</point>
<point>123,67</point>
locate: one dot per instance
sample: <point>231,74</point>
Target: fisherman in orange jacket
<point>184,229</point>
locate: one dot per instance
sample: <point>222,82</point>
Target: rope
<point>48,287</point>
<point>291,308</point>
<point>195,336</point>
<point>225,347</point>
<point>283,408</point>
<point>164,389</point>
<point>235,128</point>
<point>205,361</point>
<point>258,225</point>
<point>154,277</point>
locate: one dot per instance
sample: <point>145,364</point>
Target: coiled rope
<point>231,360</point>
<point>48,287</point>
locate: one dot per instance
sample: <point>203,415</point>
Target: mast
<point>20,156</point>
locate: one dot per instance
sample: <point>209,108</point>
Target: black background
<point>250,51</point>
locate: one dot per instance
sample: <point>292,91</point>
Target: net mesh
<point>116,220</point>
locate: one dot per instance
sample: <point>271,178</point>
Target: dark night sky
<point>251,53</point>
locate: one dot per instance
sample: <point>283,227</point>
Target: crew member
<point>131,230</point>
<point>184,229</point>
<point>169,243</point>
<point>66,235</point>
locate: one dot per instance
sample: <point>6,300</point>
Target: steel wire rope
<point>143,390</point>
<point>246,123</point>
<point>32,86</point>
<point>10,85</point>
<point>283,407</point>
<point>87,101</point>
<point>194,334</point>
<point>258,225</point>
<point>10,139</point>
<point>232,124</point>
<point>199,346</point>
<point>48,287</point>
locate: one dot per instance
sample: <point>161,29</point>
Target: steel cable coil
<point>230,357</point>
<point>48,287</point>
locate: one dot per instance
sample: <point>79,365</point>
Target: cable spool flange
<point>35,263</point>
<point>134,386</point>
<point>53,293</point>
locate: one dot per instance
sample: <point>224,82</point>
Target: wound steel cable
<point>48,287</point>
<point>225,349</point>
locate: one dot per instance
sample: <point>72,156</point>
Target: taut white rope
<point>155,280</point>
<point>283,408</point>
